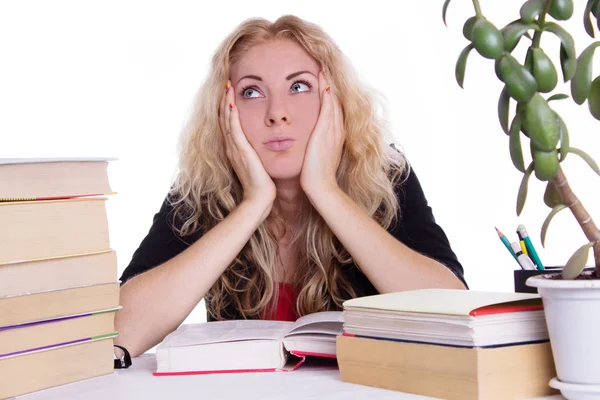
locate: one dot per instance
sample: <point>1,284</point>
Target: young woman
<point>289,198</point>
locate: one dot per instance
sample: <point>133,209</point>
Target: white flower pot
<point>572,310</point>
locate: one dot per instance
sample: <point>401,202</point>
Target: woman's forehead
<point>276,58</point>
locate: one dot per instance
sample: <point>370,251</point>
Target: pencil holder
<point>521,276</point>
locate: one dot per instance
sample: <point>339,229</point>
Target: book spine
<point>66,197</point>
<point>7,199</point>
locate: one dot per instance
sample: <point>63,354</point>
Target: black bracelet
<point>125,362</point>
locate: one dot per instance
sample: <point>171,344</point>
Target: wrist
<point>321,189</point>
<point>257,207</point>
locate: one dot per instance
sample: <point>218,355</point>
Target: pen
<point>522,243</point>
<point>524,261</point>
<point>506,243</point>
<point>534,255</point>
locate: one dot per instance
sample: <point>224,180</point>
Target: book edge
<point>37,160</point>
<point>92,253</point>
<point>466,312</point>
<point>81,341</point>
<point>58,319</point>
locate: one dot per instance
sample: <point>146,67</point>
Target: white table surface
<point>137,382</point>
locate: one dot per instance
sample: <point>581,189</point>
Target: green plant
<point>525,83</point>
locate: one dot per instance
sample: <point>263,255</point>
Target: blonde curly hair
<point>206,188</point>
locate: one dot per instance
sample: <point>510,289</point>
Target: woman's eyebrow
<point>287,78</point>
<point>295,74</point>
<point>255,77</point>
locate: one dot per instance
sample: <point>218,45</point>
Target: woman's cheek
<point>307,110</point>
<point>251,121</point>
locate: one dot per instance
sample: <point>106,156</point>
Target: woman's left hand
<point>324,149</point>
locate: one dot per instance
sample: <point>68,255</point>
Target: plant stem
<point>580,213</point>
<point>537,36</point>
<point>478,13</point>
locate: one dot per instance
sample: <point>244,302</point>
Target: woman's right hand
<point>258,186</point>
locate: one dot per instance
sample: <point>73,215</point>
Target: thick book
<point>519,371</point>
<point>33,230</point>
<point>49,274</point>
<point>464,318</point>
<point>53,178</point>
<point>33,307</point>
<point>27,337</point>
<point>44,369</point>
<point>248,345</point>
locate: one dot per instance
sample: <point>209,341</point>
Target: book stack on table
<point>451,344</point>
<point>59,289</point>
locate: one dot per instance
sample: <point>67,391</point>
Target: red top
<point>286,304</point>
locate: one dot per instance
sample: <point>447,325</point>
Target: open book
<point>248,345</point>
<point>464,318</point>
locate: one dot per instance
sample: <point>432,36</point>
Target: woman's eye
<point>250,93</point>
<point>300,87</point>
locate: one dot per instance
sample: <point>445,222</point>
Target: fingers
<point>223,122</point>
<point>233,128</point>
<point>334,107</point>
<point>222,112</point>
<point>337,112</point>
<point>325,115</point>
<point>229,99</point>
<point>339,117</point>
<point>236,132</point>
<point>324,87</point>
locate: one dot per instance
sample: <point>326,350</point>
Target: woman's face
<point>277,95</point>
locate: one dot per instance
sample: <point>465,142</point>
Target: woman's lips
<point>279,144</point>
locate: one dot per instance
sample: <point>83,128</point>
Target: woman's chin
<point>284,166</point>
<point>284,173</point>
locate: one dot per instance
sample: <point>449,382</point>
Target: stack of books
<point>451,344</point>
<point>59,289</point>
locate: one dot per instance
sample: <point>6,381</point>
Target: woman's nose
<point>277,114</point>
<point>275,120</point>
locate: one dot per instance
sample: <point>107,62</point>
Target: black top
<point>416,228</point>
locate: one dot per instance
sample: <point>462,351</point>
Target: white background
<point>116,78</point>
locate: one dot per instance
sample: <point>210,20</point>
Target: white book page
<point>436,301</point>
<point>226,331</point>
<point>326,322</point>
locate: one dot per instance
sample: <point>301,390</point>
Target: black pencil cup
<point>521,276</point>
